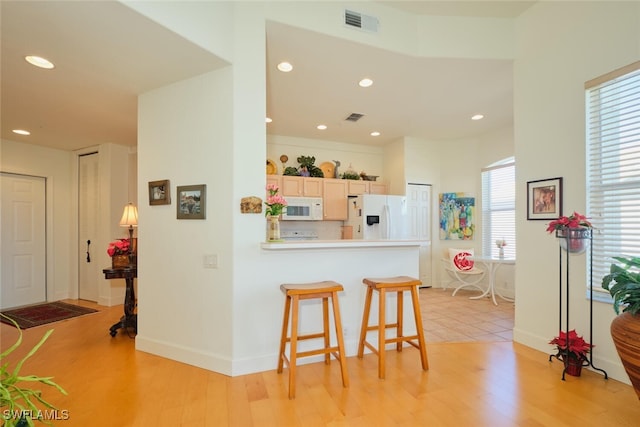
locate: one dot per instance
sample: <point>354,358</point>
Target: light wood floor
<point>469,384</point>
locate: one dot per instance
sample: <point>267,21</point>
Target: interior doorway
<point>419,212</point>
<point>23,211</point>
<point>88,214</point>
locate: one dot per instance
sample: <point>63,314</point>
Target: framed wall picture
<point>159,192</point>
<point>192,202</point>
<point>544,199</point>
<point>457,216</point>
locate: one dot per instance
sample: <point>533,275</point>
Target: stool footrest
<point>401,339</point>
<point>387,326</point>
<point>308,336</point>
<point>330,350</point>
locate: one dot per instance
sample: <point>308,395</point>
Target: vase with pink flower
<point>275,205</point>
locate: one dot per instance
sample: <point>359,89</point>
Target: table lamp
<point>130,219</point>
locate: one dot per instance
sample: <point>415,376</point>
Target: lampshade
<point>129,216</point>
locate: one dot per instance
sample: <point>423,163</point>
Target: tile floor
<point>460,319</point>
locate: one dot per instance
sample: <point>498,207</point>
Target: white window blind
<point>499,208</point>
<point>613,149</point>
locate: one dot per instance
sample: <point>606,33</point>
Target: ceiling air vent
<point>358,20</point>
<point>354,117</point>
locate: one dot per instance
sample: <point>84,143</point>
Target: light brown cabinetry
<point>366,187</point>
<point>334,192</point>
<point>335,199</point>
<point>274,179</point>
<point>377,188</point>
<point>358,187</point>
<point>301,187</point>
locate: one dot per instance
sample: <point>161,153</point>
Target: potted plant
<point>118,250</point>
<point>275,206</point>
<point>623,283</point>
<point>573,232</point>
<point>16,401</point>
<point>572,350</point>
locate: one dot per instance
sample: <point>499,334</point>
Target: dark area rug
<point>41,314</point>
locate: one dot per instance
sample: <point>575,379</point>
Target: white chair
<point>463,270</point>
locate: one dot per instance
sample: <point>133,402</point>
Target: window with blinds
<point>613,167</point>
<point>499,208</point>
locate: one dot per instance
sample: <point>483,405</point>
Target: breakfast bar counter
<point>338,244</point>
<point>344,261</point>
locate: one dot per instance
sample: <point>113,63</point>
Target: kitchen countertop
<point>340,244</point>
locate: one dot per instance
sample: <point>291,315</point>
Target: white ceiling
<point>106,54</point>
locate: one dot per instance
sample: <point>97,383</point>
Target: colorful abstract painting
<point>457,216</point>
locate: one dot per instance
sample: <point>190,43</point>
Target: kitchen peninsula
<point>346,262</point>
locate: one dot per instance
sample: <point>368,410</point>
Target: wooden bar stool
<point>391,284</point>
<point>294,293</point>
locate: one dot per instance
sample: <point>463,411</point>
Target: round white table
<point>492,265</point>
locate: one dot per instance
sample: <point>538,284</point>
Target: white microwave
<point>303,209</point>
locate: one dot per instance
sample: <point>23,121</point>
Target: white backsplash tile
<point>326,230</point>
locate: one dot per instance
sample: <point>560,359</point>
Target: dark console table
<point>130,318</point>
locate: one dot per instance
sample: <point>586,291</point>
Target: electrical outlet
<point>210,261</point>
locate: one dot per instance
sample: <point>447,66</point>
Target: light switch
<point>210,261</point>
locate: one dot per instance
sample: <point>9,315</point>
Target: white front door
<point>23,278</point>
<point>419,212</point>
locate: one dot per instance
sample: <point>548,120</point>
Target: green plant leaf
<point>12,394</point>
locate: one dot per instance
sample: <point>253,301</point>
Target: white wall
<point>580,41</point>
<point>185,309</point>
<point>55,166</point>
<point>205,23</point>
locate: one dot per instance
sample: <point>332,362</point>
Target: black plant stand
<point>585,234</point>
<point>130,318</point>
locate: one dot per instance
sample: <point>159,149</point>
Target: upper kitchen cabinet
<point>366,187</point>
<point>358,187</point>
<point>274,179</point>
<point>377,188</point>
<point>336,192</point>
<point>301,186</point>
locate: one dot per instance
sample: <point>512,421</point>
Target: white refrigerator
<point>378,217</point>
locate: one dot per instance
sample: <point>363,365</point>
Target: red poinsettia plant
<point>572,345</point>
<point>574,220</point>
<point>118,247</point>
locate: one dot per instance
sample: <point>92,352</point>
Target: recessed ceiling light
<point>376,133</point>
<point>285,67</point>
<point>321,127</point>
<point>21,132</point>
<point>268,119</point>
<point>365,82</point>
<point>477,117</point>
<point>39,62</point>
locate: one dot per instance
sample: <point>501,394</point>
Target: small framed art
<point>159,192</point>
<point>544,199</point>
<point>192,201</point>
